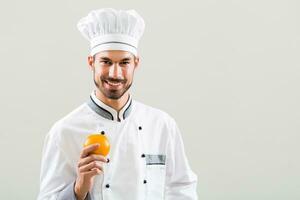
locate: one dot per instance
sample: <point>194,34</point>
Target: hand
<point>89,165</point>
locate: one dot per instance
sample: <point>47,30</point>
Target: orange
<point>104,147</point>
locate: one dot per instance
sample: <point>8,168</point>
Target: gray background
<point>227,71</point>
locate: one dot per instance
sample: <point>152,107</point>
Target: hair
<point>134,57</point>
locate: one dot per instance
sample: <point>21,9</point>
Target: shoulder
<point>76,117</point>
<point>153,113</point>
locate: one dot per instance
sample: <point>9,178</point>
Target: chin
<point>114,96</point>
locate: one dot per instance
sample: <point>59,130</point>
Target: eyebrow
<point>124,59</point>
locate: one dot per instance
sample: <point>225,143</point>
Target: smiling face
<point>113,72</point>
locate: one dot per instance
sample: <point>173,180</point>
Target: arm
<point>181,181</point>
<point>57,176</point>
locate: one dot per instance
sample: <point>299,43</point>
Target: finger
<point>88,149</point>
<point>93,172</point>
<point>90,158</point>
<point>88,167</point>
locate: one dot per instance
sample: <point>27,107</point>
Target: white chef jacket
<point>146,160</point>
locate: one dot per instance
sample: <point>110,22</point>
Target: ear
<point>136,62</point>
<point>91,62</point>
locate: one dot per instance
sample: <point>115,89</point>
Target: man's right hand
<point>89,165</point>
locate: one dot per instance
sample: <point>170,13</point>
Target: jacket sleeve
<point>57,177</point>
<point>69,194</point>
<point>181,181</point>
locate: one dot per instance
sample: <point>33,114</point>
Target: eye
<point>106,62</point>
<point>125,63</point>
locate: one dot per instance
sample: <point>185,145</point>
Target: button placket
<point>106,176</point>
<point>143,156</point>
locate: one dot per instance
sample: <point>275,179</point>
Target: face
<point>113,72</point>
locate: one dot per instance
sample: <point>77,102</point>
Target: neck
<point>116,104</point>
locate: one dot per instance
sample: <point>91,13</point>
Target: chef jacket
<point>147,160</point>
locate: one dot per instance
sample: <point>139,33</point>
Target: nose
<point>115,71</point>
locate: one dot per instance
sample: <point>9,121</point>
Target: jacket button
<point>143,156</point>
<point>107,186</point>
<point>140,128</point>
<point>102,132</point>
<point>145,181</point>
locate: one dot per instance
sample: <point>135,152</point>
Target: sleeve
<point>181,181</point>
<point>69,194</point>
<point>57,176</point>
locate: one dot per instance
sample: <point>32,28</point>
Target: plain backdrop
<point>227,71</point>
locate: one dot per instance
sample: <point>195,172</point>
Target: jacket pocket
<point>155,185</point>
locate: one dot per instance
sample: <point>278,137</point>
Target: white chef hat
<point>111,29</point>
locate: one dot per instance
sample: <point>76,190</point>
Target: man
<point>147,158</point>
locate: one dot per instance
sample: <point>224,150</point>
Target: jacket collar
<point>108,112</point>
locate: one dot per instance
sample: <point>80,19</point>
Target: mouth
<point>114,85</point>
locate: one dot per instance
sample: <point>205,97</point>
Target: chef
<point>147,160</point>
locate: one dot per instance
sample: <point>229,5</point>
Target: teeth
<point>114,84</point>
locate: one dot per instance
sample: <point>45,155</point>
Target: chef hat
<point>111,29</point>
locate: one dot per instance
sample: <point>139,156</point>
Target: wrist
<point>79,195</point>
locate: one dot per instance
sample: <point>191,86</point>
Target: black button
<point>107,185</point>
<point>145,181</point>
<point>143,156</point>
<point>107,160</point>
<point>140,128</point>
<point>102,132</point>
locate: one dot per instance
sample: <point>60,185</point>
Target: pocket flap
<point>158,159</point>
